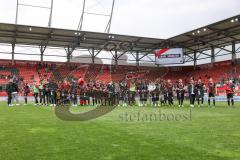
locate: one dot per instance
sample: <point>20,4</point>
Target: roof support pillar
<point>43,47</point>
<point>137,58</point>
<point>195,60</point>
<point>212,56</point>
<point>69,50</point>
<point>41,57</point>
<point>234,57</point>
<point>93,56</point>
<point>13,49</point>
<point>68,58</point>
<point>116,58</point>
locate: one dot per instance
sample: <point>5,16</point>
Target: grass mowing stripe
<point>30,132</point>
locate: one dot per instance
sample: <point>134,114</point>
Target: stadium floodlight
<point>198,31</point>
<point>204,29</point>
<point>193,33</point>
<point>232,20</point>
<point>30,29</point>
<point>75,33</point>
<point>236,19</point>
<point>111,37</point>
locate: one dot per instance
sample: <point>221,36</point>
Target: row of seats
<point>31,73</point>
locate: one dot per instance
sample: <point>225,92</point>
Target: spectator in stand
<point>238,80</point>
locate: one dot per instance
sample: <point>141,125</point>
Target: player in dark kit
<point>53,87</point>
<point>144,93</point>
<point>165,93</point>
<point>97,93</point>
<point>161,93</point>
<point>139,88</point>
<point>104,94</point>
<point>199,92</point>
<point>180,92</point>
<point>111,91</point>
<point>122,94</point>
<point>229,88</point>
<point>117,92</point>
<point>26,91</point>
<point>170,92</point>
<point>155,95</point>
<point>9,90</point>
<point>82,94</point>
<point>73,92</point>
<point>211,92</point>
<point>92,92</point>
<point>65,87</point>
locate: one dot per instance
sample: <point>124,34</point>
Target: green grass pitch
<point>34,133</point>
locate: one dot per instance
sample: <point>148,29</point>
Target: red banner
<point>221,91</point>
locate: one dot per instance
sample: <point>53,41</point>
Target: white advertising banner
<point>169,56</point>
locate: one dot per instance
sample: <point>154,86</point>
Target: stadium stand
<point>79,72</point>
<point>105,74</point>
<point>92,72</point>
<point>34,71</point>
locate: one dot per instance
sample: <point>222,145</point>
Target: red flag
<point>158,53</point>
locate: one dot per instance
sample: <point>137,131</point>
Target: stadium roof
<point>217,35</point>
<point>31,35</point>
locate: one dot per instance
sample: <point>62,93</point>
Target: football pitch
<point>32,133</point>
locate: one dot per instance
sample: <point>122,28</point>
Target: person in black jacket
<point>15,93</point>
<point>53,87</point>
<point>111,90</point>
<point>180,92</point>
<point>9,90</point>
<point>26,90</point>
<point>199,92</point>
<point>192,92</point>
<point>73,92</point>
